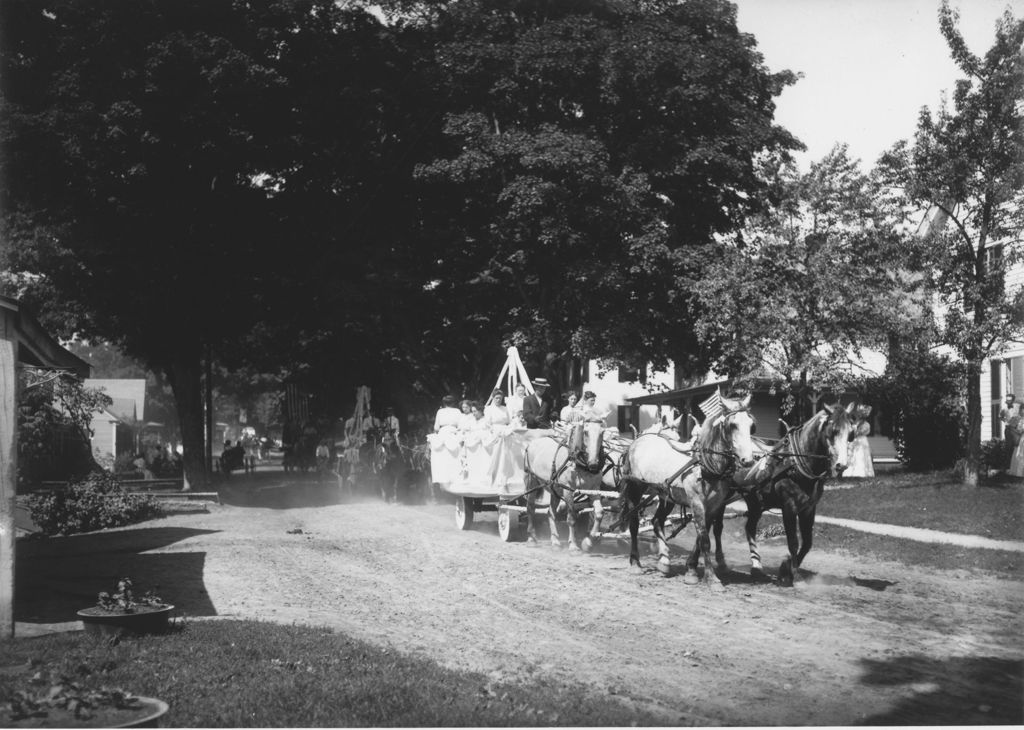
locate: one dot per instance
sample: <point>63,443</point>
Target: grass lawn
<point>932,501</point>
<point>252,674</point>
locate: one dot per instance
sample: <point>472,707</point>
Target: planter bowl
<point>144,620</point>
<point>147,714</point>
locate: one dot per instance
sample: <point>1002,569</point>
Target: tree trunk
<point>184,375</point>
<point>973,461</point>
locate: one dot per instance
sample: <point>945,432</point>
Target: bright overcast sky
<point>869,65</point>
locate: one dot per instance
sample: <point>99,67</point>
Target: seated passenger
<point>447,418</point>
<point>496,411</point>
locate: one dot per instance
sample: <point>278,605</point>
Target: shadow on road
<point>954,691</point>
<point>57,576</point>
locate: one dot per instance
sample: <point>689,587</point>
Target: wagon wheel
<point>463,513</point>
<point>508,524</point>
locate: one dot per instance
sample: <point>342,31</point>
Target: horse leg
<point>665,506</point>
<point>705,522</point>
<point>632,493</point>
<point>789,521</point>
<point>806,520</point>
<point>531,509</point>
<point>556,541</point>
<point>571,517</point>
<point>594,535</point>
<point>754,512</point>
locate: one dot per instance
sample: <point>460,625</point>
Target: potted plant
<point>124,612</point>
<point>56,701</point>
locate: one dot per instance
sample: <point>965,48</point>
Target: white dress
<point>859,463</point>
<point>1017,460</point>
<point>496,415</point>
<point>515,407</point>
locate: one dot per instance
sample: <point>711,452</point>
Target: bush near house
<point>92,503</point>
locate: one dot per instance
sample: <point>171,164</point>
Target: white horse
<point>667,469</point>
<point>548,463</point>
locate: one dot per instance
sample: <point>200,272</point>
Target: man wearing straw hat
<point>536,408</point>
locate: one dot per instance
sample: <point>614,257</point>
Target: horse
<point>657,465</point>
<point>548,463</point>
<point>791,476</point>
<point>614,448</point>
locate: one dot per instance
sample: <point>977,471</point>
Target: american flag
<point>712,406</point>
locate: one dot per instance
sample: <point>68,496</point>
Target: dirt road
<point>853,643</point>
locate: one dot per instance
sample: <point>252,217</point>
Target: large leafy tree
<point>591,147</point>
<point>808,288</point>
<point>966,168</point>
<point>176,170</point>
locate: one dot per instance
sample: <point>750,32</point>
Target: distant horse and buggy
<point>641,481</point>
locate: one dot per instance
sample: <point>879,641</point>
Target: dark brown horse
<point>791,477</point>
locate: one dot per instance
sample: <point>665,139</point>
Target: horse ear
<point>828,409</point>
<point>745,402</point>
<point>850,408</point>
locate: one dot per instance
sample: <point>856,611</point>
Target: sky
<point>869,65</point>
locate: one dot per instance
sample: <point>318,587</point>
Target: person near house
<point>1017,456</point>
<point>859,462</point>
<point>1010,415</point>
<point>514,403</point>
<point>537,407</point>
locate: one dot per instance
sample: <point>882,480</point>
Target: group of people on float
<point>519,410</point>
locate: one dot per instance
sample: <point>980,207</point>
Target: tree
<point>965,168</point>
<point>800,293</point>
<point>160,163</point>
<point>55,416</point>
<point>592,148</point>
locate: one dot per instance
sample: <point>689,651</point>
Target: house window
<point>632,375</point>
<point>993,257</point>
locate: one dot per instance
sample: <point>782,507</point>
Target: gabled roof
<point>129,395</point>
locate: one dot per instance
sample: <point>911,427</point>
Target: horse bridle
<point>800,460</point>
<point>729,454</point>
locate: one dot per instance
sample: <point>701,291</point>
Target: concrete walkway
<point>923,535</point>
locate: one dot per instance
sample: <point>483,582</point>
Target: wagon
<point>484,472</point>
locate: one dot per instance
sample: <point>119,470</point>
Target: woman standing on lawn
<point>1017,459</point>
<point>859,462</point>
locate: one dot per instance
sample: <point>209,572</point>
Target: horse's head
<point>593,445</point>
<point>837,431</point>
<point>737,428</point>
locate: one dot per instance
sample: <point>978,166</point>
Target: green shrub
<point>995,454</point>
<point>93,503</point>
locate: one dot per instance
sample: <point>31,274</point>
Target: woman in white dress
<point>859,463</point>
<point>447,416</point>
<point>496,412</point>
<point>1017,458</point>
<point>570,413</point>
<point>444,443</point>
<point>515,405</point>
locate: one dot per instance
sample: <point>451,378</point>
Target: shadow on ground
<point>57,576</point>
<point>954,691</point>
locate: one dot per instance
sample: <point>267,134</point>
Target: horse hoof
<point>691,579</point>
<point>717,586</point>
<point>575,549</point>
<point>532,542</point>
<point>587,545</point>
<point>664,567</point>
<point>635,568</point>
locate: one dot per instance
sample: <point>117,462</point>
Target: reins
<point>800,460</point>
